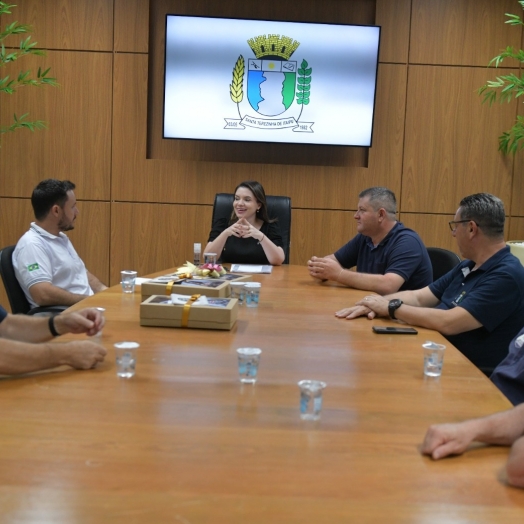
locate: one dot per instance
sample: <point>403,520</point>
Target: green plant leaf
<point>10,84</point>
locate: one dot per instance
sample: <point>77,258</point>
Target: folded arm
<point>328,268</point>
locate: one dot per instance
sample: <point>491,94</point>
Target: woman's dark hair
<point>48,193</point>
<point>260,196</point>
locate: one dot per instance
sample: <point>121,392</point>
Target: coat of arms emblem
<point>274,82</point>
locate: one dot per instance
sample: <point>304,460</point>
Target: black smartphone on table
<point>390,330</point>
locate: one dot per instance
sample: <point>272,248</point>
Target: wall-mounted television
<point>267,81</point>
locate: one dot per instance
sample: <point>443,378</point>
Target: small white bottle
<point>197,249</point>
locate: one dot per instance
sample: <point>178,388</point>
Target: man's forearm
<point>408,297</point>
<point>22,357</point>
<point>95,284</point>
<point>25,328</point>
<point>45,294</point>
<point>437,319</point>
<point>501,428</point>
<point>381,284</point>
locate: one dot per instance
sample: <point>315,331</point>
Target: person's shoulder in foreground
<point>505,429</point>
<point>508,376</point>
<point>388,256</point>
<point>250,236</point>
<point>46,264</point>
<point>26,346</point>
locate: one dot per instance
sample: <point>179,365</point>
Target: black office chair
<point>278,207</point>
<point>17,299</point>
<point>442,261</point>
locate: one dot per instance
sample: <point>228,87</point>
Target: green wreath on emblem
<point>303,86</point>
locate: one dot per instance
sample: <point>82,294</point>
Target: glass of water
<point>252,293</point>
<point>125,353</point>
<point>128,279</point>
<point>248,360</point>
<point>238,291</point>
<point>433,358</point>
<point>311,399</point>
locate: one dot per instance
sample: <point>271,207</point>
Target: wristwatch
<point>393,306</point>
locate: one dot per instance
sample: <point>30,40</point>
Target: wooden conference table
<point>184,442</point>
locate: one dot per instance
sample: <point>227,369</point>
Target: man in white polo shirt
<point>46,263</point>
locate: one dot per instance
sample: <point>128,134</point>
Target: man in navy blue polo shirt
<point>22,347</point>
<point>479,305</point>
<point>388,256</point>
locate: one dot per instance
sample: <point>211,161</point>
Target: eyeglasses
<point>454,222</point>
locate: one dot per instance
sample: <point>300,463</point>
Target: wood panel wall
<point>144,201</point>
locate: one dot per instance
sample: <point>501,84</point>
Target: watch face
<point>395,303</point>
<point>393,306</point>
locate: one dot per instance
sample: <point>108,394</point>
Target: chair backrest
<point>278,207</point>
<point>442,261</point>
<point>15,294</point>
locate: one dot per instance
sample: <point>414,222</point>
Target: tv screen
<point>267,81</point>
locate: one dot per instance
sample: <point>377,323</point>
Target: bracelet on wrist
<point>260,241</point>
<point>52,329</point>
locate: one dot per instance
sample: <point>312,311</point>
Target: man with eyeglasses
<point>388,256</point>
<point>479,305</point>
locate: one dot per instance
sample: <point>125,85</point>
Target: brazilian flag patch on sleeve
<point>33,267</point>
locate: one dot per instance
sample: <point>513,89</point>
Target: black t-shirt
<point>245,250</point>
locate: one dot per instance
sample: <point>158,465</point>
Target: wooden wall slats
<point>152,237</point>
<point>394,19</point>
<point>465,32</point>
<point>319,233</point>
<point>131,26</point>
<point>91,237</point>
<point>77,143</point>
<point>67,24</point>
<point>328,11</point>
<point>451,140</point>
<point>433,229</point>
<point>386,153</point>
<point>516,229</point>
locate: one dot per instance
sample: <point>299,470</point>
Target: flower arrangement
<point>188,270</point>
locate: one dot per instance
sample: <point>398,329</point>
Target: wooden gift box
<point>211,287</point>
<point>158,310</point>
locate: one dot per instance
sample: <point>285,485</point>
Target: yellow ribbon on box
<point>169,287</point>
<point>187,307</point>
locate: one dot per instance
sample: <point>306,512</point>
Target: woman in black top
<point>250,236</point>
